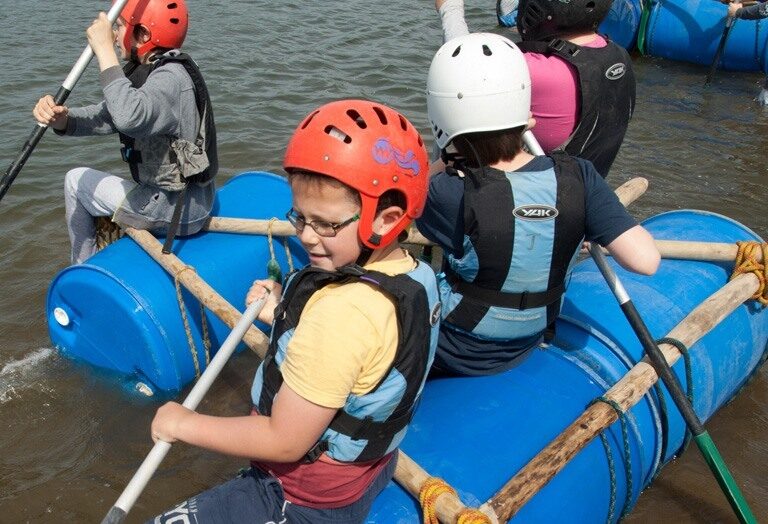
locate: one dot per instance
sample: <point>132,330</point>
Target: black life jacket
<point>520,228</point>
<point>350,438</point>
<point>607,98</point>
<point>138,74</point>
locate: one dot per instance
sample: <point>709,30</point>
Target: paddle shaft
<point>726,31</point>
<point>61,96</point>
<point>659,363</point>
<point>131,493</point>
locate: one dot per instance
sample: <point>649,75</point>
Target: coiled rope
<point>746,262</point>
<point>431,490</point>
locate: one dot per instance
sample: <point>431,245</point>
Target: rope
<point>746,262</point>
<point>611,464</point>
<point>107,232</point>
<point>188,330</point>
<point>431,490</point>
<point>273,267</point>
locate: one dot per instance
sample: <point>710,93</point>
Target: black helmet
<point>544,19</point>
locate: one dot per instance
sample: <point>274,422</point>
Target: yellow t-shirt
<point>345,341</point>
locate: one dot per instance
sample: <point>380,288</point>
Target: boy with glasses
<point>352,338</point>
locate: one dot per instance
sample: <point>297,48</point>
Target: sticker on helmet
<point>616,71</point>
<point>535,212</point>
<point>383,152</point>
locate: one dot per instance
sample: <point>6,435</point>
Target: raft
<point>119,311</point>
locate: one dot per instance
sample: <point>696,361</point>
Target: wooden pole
<point>253,338</point>
<point>626,393</point>
<point>627,193</point>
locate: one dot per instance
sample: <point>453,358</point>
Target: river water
<point>70,440</point>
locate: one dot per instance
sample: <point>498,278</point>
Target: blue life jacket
<point>606,102</point>
<point>522,231</point>
<point>371,425</point>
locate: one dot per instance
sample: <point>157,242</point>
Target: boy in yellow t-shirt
<point>352,338</point>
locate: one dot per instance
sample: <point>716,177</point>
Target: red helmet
<point>166,21</point>
<point>368,147</point>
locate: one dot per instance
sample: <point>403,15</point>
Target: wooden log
<point>627,193</point>
<point>626,392</point>
<point>254,338</point>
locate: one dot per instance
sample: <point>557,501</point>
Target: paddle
<point>120,510</point>
<point>659,363</point>
<point>726,31</point>
<point>61,97</point>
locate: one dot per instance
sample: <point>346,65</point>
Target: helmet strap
<point>365,255</point>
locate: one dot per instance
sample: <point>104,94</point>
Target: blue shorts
<point>257,497</point>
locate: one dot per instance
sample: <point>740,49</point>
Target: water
<point>70,439</point>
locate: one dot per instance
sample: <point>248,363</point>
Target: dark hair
<point>488,147</point>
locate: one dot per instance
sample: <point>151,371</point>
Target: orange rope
<point>431,490</point>
<point>747,262</point>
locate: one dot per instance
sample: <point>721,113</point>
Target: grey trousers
<point>89,193</point>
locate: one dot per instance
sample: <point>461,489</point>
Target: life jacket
<point>607,97</point>
<point>371,425</point>
<point>522,231</point>
<point>169,162</point>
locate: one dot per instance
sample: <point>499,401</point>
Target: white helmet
<point>477,82</point>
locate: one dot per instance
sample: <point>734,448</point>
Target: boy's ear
<point>387,218</point>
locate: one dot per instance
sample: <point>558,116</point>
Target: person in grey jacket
<point>159,105</point>
<point>752,12</point>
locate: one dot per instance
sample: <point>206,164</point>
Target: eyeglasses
<point>321,227</point>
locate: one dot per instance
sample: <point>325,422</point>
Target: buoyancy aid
<point>606,102</point>
<point>371,425</point>
<point>522,231</point>
<point>169,162</point>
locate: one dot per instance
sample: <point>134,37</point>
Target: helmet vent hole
<point>308,120</point>
<point>403,123</point>
<point>335,132</point>
<point>381,115</point>
<point>487,51</point>
<point>174,20</point>
<point>356,118</point>
<point>172,5</point>
<point>456,51</point>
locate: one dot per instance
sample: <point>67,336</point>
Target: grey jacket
<point>164,107</point>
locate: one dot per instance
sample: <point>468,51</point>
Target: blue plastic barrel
<point>622,22</point>
<point>690,31</point>
<point>119,310</point>
<point>476,433</point>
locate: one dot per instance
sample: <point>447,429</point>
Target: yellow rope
<point>269,238</point>
<point>746,262</point>
<point>431,490</point>
<point>188,329</point>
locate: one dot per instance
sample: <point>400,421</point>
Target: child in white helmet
<point>159,105</point>
<point>510,224</point>
<point>583,87</point>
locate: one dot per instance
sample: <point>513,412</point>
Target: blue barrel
<point>622,22</point>
<point>476,433</point>
<point>690,31</point>
<point>119,310</point>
